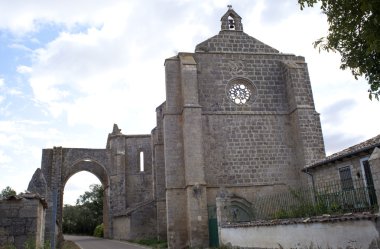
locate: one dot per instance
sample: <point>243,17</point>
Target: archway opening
<point>82,204</point>
<point>92,205</point>
<point>77,185</point>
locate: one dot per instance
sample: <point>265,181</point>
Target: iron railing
<point>328,198</point>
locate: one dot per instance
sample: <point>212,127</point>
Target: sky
<point>71,69</point>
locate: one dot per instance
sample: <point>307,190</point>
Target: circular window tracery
<point>240,91</point>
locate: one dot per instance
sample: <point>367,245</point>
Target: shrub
<point>99,231</point>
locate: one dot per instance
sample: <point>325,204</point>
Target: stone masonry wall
<point>139,184</point>
<point>330,173</point>
<point>158,167</point>
<point>258,143</point>
<point>258,146</point>
<point>374,162</point>
<point>255,150</point>
<point>21,220</point>
<point>264,71</point>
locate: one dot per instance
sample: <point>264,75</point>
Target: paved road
<point>87,242</point>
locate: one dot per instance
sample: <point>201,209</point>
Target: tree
<point>87,214</point>
<point>354,32</point>
<point>8,191</point>
<point>93,199</point>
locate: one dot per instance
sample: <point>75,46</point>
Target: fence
<point>331,198</point>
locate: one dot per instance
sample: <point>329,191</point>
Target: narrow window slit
<point>141,161</point>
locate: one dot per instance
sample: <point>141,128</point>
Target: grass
<point>67,244</point>
<point>154,243</point>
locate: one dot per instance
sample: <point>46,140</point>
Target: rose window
<point>240,91</point>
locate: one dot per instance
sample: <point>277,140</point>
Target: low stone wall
<point>22,218</point>
<point>349,231</point>
<point>137,223</point>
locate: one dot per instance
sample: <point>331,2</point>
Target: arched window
<point>141,161</point>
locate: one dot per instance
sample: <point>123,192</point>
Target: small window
<point>141,161</point>
<point>346,178</point>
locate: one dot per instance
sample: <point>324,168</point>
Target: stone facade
<point>238,115</point>
<point>22,220</point>
<point>249,141</point>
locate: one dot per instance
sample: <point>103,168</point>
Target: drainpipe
<point>312,182</point>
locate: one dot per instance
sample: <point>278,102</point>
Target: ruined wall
<point>22,219</point>
<point>158,162</point>
<point>139,184</point>
<point>57,166</point>
<point>118,169</point>
<point>138,222</point>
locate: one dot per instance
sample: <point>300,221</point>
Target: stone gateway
<point>239,117</point>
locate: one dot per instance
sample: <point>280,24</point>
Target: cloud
<point>21,47</point>
<point>90,69</point>
<point>336,112</point>
<point>21,17</point>
<point>346,122</point>
<point>24,69</point>
<point>77,185</point>
<point>275,11</point>
<point>4,159</point>
<point>103,71</point>
<point>14,91</point>
<point>340,140</point>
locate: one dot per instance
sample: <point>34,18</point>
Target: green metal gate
<point>213,227</point>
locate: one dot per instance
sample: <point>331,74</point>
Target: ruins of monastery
<point>238,119</point>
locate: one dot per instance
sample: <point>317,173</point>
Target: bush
<point>8,246</point>
<point>154,243</point>
<point>99,231</point>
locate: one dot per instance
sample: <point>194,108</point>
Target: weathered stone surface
<point>374,162</point>
<point>38,183</point>
<point>118,169</point>
<point>238,114</point>
<point>252,147</point>
<point>20,219</point>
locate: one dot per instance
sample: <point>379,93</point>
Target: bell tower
<point>231,20</point>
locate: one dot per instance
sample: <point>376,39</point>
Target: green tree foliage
<point>354,31</point>
<point>86,215</point>
<point>99,231</point>
<point>8,191</point>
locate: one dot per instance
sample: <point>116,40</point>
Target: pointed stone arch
<point>58,165</point>
<point>92,166</point>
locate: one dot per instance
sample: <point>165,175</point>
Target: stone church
<point>239,117</point>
